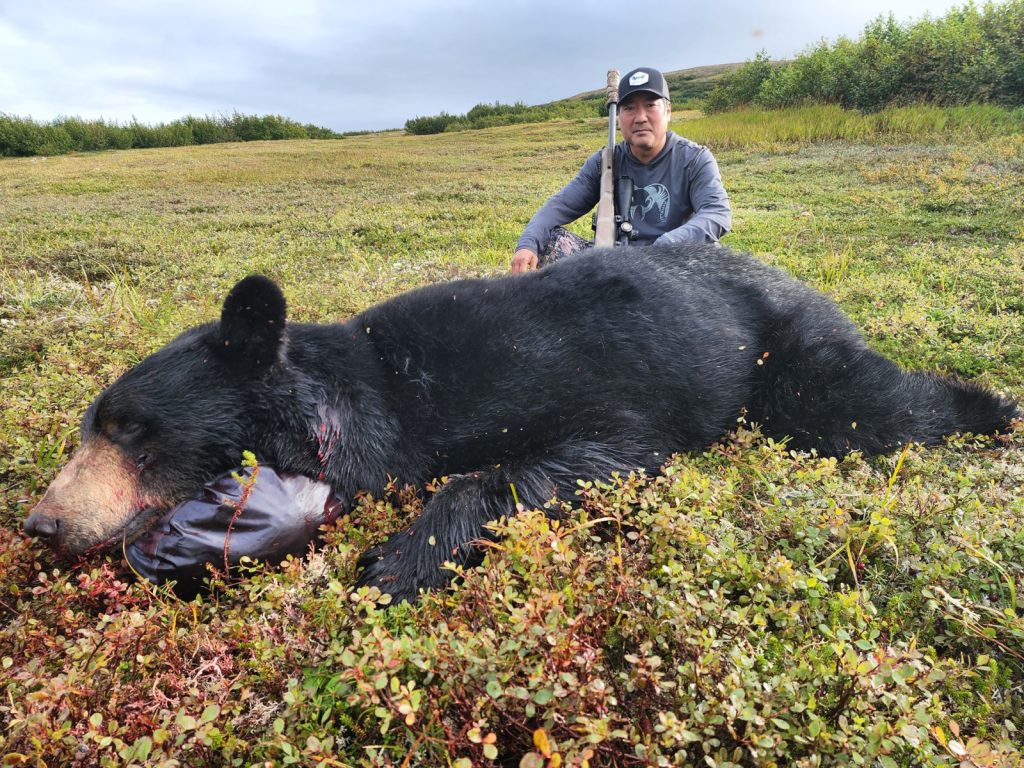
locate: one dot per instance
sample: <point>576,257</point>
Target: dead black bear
<point>605,361</point>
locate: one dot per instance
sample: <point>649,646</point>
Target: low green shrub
<point>750,606</point>
<point>420,126</point>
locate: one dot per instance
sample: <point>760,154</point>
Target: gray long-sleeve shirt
<point>677,196</point>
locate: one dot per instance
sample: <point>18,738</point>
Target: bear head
<point>173,422</point>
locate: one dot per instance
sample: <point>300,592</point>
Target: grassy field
<point>749,607</point>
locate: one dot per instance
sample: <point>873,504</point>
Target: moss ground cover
<point>748,607</point>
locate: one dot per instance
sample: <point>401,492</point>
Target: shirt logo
<point>639,78</point>
<point>653,199</point>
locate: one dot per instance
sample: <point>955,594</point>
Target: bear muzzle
<point>94,500</point>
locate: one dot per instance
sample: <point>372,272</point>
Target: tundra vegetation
<point>749,606</point>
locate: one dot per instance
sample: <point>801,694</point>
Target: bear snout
<point>53,525</point>
<point>39,525</point>
<point>90,502</point>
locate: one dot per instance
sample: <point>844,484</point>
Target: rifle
<point>611,228</point>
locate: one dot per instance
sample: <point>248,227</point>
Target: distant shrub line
<point>970,55</point>
<point>490,115</point>
<point>24,137</point>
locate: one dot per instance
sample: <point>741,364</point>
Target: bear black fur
<point>608,360</point>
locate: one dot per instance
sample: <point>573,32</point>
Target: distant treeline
<point>970,55</point>
<point>24,137</point>
<point>489,115</point>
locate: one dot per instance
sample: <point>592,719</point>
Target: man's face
<point>643,120</point>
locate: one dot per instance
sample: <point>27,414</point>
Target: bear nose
<point>41,526</point>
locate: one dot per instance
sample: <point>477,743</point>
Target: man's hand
<point>524,260</point>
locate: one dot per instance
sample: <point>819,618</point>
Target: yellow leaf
<point>540,741</point>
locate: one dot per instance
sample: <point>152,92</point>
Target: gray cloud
<point>372,65</point>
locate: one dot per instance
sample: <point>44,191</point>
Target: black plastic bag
<point>280,515</point>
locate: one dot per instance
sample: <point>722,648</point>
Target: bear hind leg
<point>845,397</point>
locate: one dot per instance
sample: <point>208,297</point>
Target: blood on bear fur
<point>610,360</point>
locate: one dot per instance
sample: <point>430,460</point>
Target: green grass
<point>775,129</point>
<point>752,606</point>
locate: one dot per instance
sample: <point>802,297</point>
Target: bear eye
<point>131,430</point>
<point>141,462</point>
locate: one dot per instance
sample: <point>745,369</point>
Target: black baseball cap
<point>643,79</point>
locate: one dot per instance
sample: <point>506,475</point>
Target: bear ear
<point>252,324</point>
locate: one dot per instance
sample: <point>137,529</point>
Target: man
<point>678,189</point>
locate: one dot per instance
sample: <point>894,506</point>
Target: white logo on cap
<point>639,78</point>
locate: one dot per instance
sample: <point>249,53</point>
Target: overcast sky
<point>373,64</point>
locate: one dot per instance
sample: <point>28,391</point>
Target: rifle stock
<point>604,234</point>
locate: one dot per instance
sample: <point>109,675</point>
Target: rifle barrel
<point>612,103</point>
<point>604,222</point>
